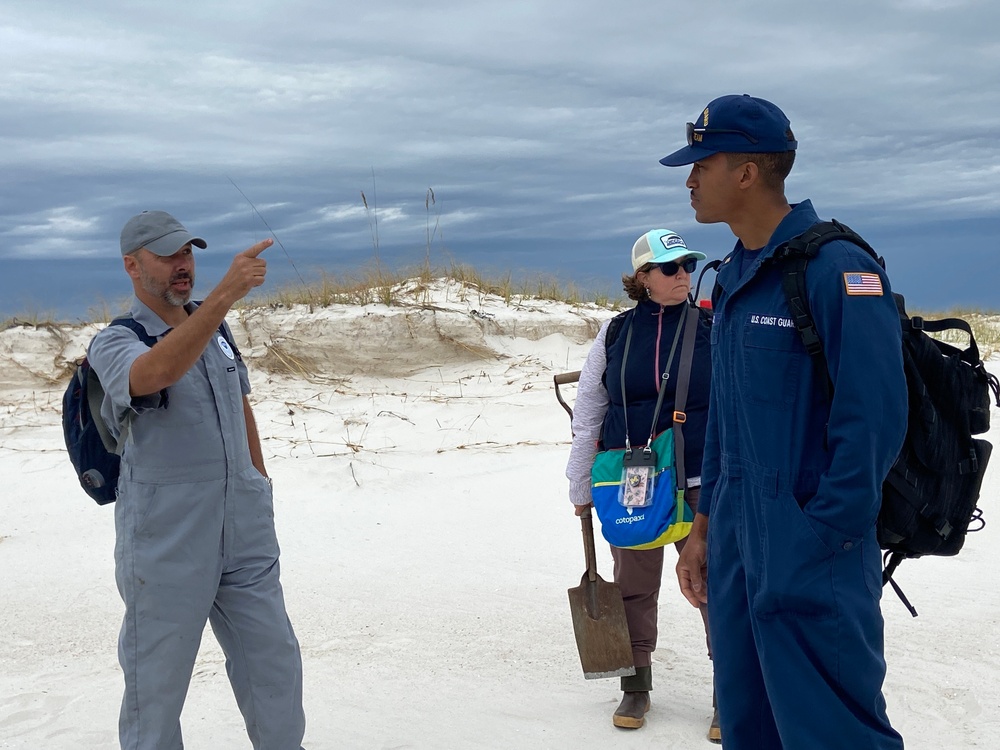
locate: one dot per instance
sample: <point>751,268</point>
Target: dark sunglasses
<point>671,267</point>
<point>692,131</point>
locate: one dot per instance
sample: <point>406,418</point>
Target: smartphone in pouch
<point>638,478</point>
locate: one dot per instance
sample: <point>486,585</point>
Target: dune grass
<point>29,319</point>
<point>409,286</point>
<point>378,285</point>
<point>374,285</point>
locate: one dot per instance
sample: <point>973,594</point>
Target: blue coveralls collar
<point>800,218</point>
<point>153,323</point>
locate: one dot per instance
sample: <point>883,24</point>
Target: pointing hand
<point>254,251</point>
<point>246,272</point>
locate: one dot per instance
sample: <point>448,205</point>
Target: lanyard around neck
<point>663,380</point>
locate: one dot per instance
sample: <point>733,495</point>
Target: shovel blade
<point>601,629</point>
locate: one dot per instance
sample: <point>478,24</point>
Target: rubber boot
<point>631,713</point>
<point>714,731</point>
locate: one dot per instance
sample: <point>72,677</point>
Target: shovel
<point>596,606</point>
<point>599,618</point>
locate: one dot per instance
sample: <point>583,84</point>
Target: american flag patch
<point>863,284</point>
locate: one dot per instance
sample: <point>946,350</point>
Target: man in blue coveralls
<point>194,519</point>
<point>783,547</point>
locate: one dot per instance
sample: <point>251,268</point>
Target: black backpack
<point>929,498</point>
<point>92,450</point>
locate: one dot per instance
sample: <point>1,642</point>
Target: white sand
<point>427,545</point>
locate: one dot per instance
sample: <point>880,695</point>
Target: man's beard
<point>164,291</point>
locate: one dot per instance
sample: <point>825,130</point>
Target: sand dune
<point>427,539</point>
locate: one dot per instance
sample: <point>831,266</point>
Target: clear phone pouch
<point>638,479</point>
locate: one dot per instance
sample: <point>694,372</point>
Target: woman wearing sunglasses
<point>635,355</point>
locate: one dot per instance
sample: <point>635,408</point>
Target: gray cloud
<point>536,124</point>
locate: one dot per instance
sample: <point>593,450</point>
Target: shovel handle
<point>589,550</point>
<point>565,378</point>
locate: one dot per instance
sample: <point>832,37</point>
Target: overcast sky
<point>538,126</point>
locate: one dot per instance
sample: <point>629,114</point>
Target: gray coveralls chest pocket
<point>184,408</point>
<point>199,433</point>
<point>185,435</point>
<point>223,360</point>
<point>215,374</point>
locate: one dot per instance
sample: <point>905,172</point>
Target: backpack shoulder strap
<point>794,256</point>
<point>793,282</point>
<point>810,241</point>
<point>692,319</point>
<point>716,293</point>
<point>136,327</point>
<point>95,391</point>
<point>614,329</point>
<point>712,265</point>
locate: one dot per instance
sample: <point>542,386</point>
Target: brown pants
<point>639,572</point>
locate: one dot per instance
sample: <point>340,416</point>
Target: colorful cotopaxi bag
<point>638,493</point>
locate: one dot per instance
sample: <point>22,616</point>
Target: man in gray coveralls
<point>194,518</point>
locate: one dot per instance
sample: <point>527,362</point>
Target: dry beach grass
<point>412,288</point>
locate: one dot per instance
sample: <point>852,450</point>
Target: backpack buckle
<point>917,322</point>
<point>680,417</point>
<point>811,340</point>
<point>970,465</point>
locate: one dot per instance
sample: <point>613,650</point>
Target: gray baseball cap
<point>158,232</point>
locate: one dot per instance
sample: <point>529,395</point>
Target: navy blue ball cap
<point>734,124</point>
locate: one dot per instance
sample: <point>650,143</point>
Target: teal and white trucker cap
<point>660,246</point>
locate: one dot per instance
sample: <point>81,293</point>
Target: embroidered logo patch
<point>863,284</point>
<point>226,348</point>
<point>671,240</point>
